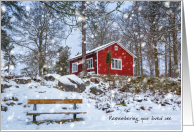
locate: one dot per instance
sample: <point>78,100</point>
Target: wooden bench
<point>54,101</point>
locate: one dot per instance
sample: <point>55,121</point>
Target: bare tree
<point>80,10</point>
<point>40,34</point>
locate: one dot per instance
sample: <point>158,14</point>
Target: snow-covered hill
<point>129,104</point>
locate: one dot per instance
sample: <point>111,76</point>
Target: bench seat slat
<point>54,101</point>
<point>58,113</point>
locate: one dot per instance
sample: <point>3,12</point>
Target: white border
<point>116,68</point>
<point>182,67</point>
<point>72,67</point>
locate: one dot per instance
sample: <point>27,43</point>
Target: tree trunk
<point>137,59</point>
<point>84,68</point>
<point>170,61</point>
<point>174,36</point>
<point>109,68</point>
<point>166,68</point>
<point>157,72</point>
<point>40,56</point>
<point>141,62</point>
<point>40,63</point>
<point>140,67</point>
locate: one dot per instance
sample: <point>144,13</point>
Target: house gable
<point>122,57</point>
<point>101,48</point>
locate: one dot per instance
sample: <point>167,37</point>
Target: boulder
<point>2,78</point>
<point>80,75</point>
<point>23,80</point>
<point>95,91</point>
<point>128,85</point>
<point>87,83</point>
<point>71,83</point>
<point>95,80</point>
<point>3,86</point>
<point>37,79</point>
<point>52,77</point>
<point>4,108</point>
<point>128,88</point>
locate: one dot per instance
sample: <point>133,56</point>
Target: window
<point>116,64</point>
<point>74,67</point>
<point>116,47</point>
<point>89,63</point>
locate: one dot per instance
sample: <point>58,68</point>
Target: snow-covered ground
<point>143,111</point>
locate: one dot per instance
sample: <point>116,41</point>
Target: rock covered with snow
<point>71,83</point>
<point>128,88</point>
<point>4,85</point>
<point>95,91</point>
<point>23,80</point>
<point>52,77</point>
<point>2,78</point>
<point>7,84</point>
<point>37,79</point>
<point>95,80</point>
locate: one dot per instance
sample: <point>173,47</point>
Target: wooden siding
<point>127,61</point>
<point>93,55</point>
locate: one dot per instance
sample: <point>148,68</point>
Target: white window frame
<point>87,64</point>
<point>118,64</point>
<point>72,67</point>
<point>116,47</point>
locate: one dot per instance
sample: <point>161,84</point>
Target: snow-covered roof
<point>102,47</point>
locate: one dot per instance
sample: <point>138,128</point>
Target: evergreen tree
<point>109,60</point>
<point>62,64</point>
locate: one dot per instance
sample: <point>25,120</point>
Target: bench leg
<point>74,115</point>
<point>34,117</point>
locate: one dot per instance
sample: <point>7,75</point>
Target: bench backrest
<point>54,101</point>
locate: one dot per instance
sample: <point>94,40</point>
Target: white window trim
<point>72,67</point>
<point>117,47</point>
<point>92,63</point>
<point>116,68</point>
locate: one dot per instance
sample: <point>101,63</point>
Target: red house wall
<point>80,64</point>
<point>127,61</point>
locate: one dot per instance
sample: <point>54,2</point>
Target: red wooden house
<point>122,64</point>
